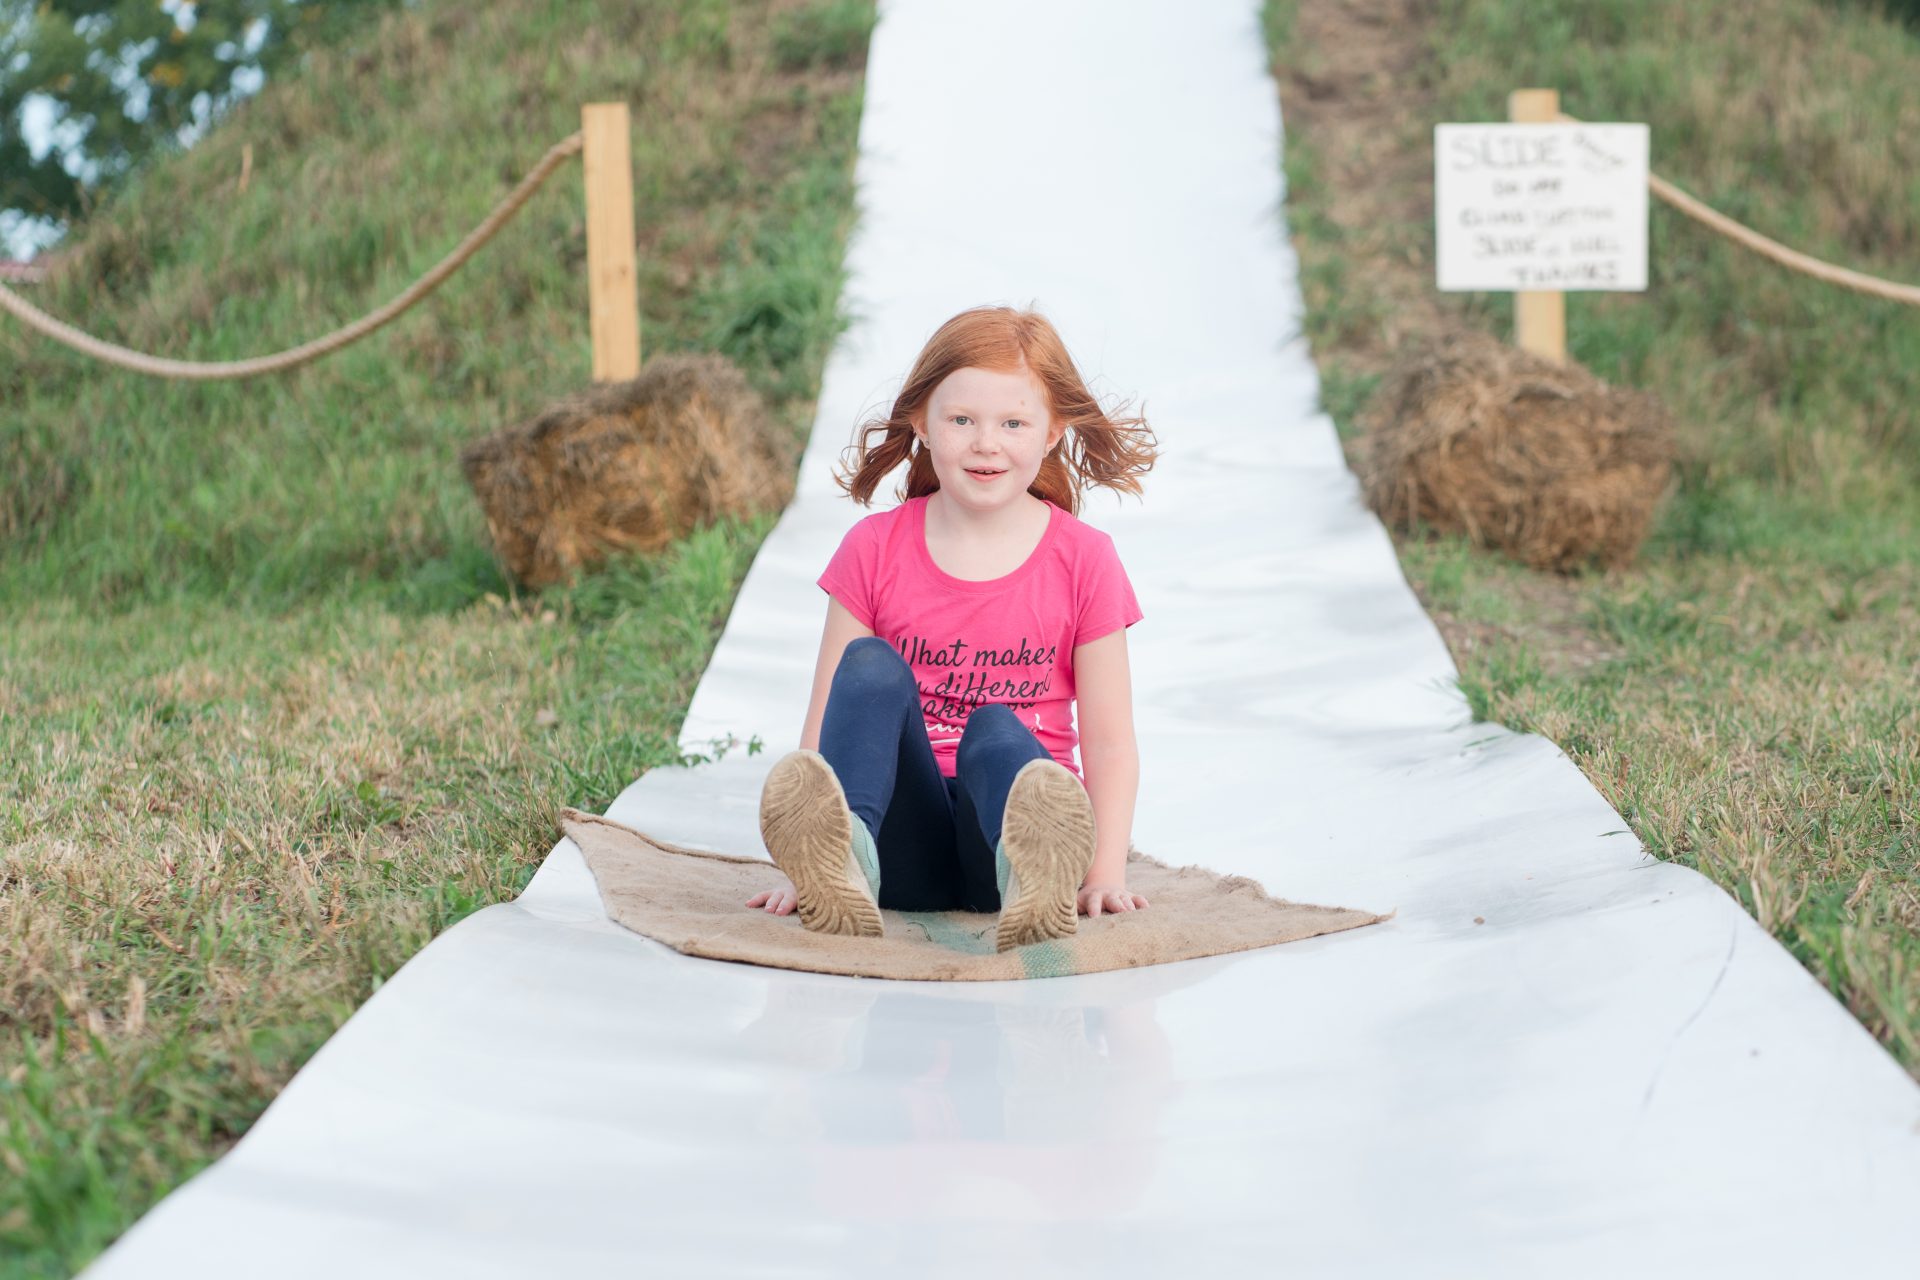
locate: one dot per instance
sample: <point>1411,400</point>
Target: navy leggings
<point>935,835</point>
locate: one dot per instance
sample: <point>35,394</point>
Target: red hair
<point>1097,447</point>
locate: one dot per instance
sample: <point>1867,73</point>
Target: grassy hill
<point>365,170</point>
<point>1746,694</point>
<point>273,715</point>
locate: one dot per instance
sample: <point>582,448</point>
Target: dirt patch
<point>1357,88</point>
<point>1552,628</point>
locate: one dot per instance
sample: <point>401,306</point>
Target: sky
<point>42,129</point>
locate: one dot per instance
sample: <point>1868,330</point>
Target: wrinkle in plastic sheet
<point>1616,1070</point>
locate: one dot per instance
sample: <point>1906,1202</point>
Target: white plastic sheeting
<point>1616,1071</point>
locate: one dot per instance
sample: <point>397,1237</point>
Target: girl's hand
<point>1110,898</point>
<point>779,901</point>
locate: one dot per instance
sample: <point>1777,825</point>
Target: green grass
<point>1745,693</point>
<point>273,716</point>
<point>337,475</point>
<point>834,33</point>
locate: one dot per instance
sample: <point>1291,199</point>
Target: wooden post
<point>1539,315</point>
<point>613,289</point>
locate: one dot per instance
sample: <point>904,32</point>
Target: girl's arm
<point>1110,761</point>
<point>842,629</point>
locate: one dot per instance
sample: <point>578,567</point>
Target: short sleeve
<point>1107,602</point>
<point>850,573</point>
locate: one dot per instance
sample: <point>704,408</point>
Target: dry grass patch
<point>224,830</point>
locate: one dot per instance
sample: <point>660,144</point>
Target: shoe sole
<point>1048,836</point>
<point>809,831</point>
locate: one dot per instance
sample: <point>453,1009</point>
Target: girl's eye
<point>1015,422</point>
<point>960,419</point>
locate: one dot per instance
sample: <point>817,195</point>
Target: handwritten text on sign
<point>1540,206</point>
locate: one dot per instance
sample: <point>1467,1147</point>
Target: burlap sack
<point>695,902</point>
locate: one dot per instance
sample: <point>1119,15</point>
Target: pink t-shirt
<point>1007,640</point>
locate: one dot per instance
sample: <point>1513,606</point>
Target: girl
<point>936,763</point>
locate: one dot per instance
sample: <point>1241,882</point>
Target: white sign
<point>1540,206</point>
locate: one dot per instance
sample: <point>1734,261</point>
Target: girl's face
<point>986,433</point>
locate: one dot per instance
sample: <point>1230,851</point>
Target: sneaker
<point>1046,846</point>
<point>817,842</point>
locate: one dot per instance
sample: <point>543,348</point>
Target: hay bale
<point>1543,461</point>
<point>628,466</point>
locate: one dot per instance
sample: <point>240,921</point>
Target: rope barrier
<point>139,362</point>
<point>208,371</point>
<point>1792,259</point>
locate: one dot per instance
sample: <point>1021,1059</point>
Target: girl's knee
<point>993,723</point>
<point>870,662</point>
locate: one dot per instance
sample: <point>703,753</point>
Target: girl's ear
<point>1055,434</point>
